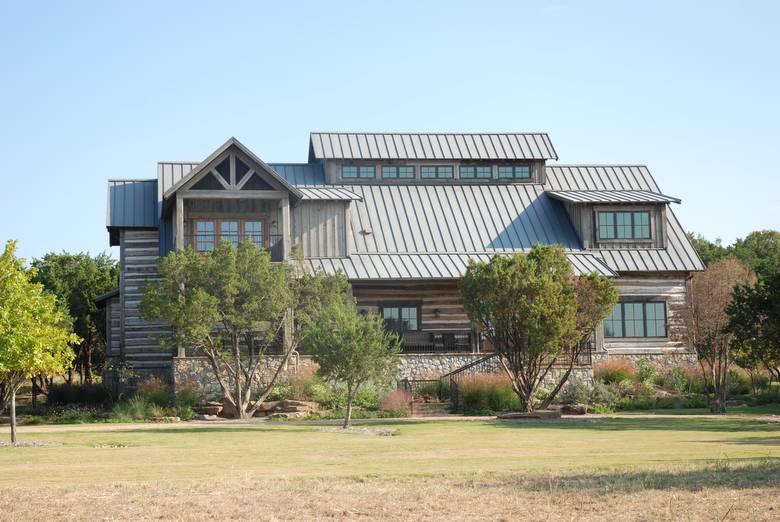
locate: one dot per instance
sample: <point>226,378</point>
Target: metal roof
<point>301,174</point>
<point>611,196</point>
<point>132,203</point>
<point>679,254</point>
<point>431,146</point>
<point>366,267</point>
<point>327,193</point>
<point>456,219</point>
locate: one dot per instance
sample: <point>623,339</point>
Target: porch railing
<point>207,241</point>
<point>437,342</point>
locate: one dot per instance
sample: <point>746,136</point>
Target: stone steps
<point>431,409</point>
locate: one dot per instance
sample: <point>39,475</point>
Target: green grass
<point>194,453</point>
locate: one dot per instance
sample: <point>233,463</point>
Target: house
<point>401,215</point>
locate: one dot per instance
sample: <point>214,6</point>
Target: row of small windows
<point>435,172</point>
<point>624,225</point>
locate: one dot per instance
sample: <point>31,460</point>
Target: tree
<point>754,319</point>
<point>707,250</point>
<point>596,297</point>
<point>527,306</point>
<point>35,333</point>
<point>76,280</point>
<point>707,321</point>
<point>759,251</point>
<point>351,348</point>
<point>235,307</point>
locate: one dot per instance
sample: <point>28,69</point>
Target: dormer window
<point>514,172</point>
<point>397,172</point>
<point>624,225</point>
<point>476,172</point>
<point>436,171</point>
<point>358,171</point>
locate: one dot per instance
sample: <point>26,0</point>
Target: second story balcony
<point>206,241</point>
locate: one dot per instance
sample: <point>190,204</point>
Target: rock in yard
<point>540,414</point>
<point>574,409</point>
<point>164,419</point>
<point>203,417</point>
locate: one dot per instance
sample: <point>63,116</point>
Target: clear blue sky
<point>105,89</point>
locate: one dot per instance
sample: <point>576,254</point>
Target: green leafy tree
<point>350,347</point>
<point>526,305</point>
<point>754,319</point>
<point>35,333</point>
<point>708,251</point>
<point>236,307</point>
<point>707,320</point>
<point>759,251</point>
<point>76,280</point>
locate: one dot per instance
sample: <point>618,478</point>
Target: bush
<point>155,391</point>
<point>674,379</point>
<point>575,392</point>
<point>74,414</point>
<point>83,394</point>
<point>644,370</point>
<point>695,379</point>
<point>134,408</point>
<point>429,390</point>
<point>614,370</point>
<point>187,397</point>
<point>397,401</point>
<point>738,382</point>
<point>487,394</point>
<point>602,395</point>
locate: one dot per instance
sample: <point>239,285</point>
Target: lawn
<point>647,468</point>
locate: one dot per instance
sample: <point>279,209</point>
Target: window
<point>624,225</point>
<point>204,236</point>
<point>358,171</point>
<point>514,172</point>
<point>476,172</point>
<point>637,319</point>
<point>436,171</point>
<point>209,232</point>
<point>396,172</point>
<point>401,318</point>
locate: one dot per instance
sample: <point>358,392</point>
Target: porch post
<point>179,222</point>
<point>284,204</point>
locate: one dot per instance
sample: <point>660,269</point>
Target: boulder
<point>209,408</point>
<point>228,411</point>
<point>574,409</point>
<point>202,417</point>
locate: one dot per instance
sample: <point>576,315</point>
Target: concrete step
<point>431,409</point>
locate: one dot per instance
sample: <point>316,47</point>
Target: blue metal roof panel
<point>132,204</point>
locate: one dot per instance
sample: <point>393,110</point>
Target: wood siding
<point>237,208</point>
<point>671,288</point>
<point>440,305</point>
<point>140,339</point>
<point>583,217</point>
<point>113,327</point>
<point>319,228</point>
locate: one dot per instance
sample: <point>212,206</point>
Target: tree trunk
<point>13,416</point>
<point>348,416</point>
<point>239,395</point>
<point>88,363</point>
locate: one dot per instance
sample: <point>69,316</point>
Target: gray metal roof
<point>679,254</point>
<point>327,193</point>
<point>611,196</point>
<point>365,267</point>
<point>132,203</point>
<point>457,219</point>
<point>301,174</point>
<point>431,146</point>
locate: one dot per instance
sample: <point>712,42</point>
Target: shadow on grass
<point>661,424</point>
<point>727,474</point>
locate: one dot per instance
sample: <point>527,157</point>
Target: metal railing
<point>437,342</point>
<point>207,241</point>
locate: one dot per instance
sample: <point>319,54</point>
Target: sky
<point>92,91</point>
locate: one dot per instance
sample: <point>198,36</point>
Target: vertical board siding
<point>444,297</point>
<point>140,339</point>
<point>319,228</point>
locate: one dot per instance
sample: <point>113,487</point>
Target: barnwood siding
<point>140,345</point>
<point>670,287</point>
<point>319,228</point>
<point>444,297</point>
<point>113,327</point>
<point>583,217</point>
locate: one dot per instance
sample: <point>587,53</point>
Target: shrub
<point>487,393</point>
<point>84,394</point>
<point>602,395</point>
<point>154,390</point>
<point>187,397</point>
<point>738,382</point>
<point>397,401</point>
<point>576,392</point>
<point>644,370</point>
<point>135,408</point>
<point>675,379</point>
<point>695,379</point>
<point>74,414</point>
<point>614,370</point>
<point>428,390</point>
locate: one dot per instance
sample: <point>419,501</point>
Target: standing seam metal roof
<point>132,203</point>
<point>611,196</point>
<point>431,146</point>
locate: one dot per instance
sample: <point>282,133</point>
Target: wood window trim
<point>217,221</point>
<point>358,166</point>
<point>475,167</point>
<point>645,302</point>
<point>514,176</point>
<point>397,172</point>
<point>438,168</point>
<point>614,211</point>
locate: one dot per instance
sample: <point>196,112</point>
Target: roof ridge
<point>597,165</point>
<point>430,132</point>
<point>132,179</point>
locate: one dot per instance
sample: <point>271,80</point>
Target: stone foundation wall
<point>675,358</point>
